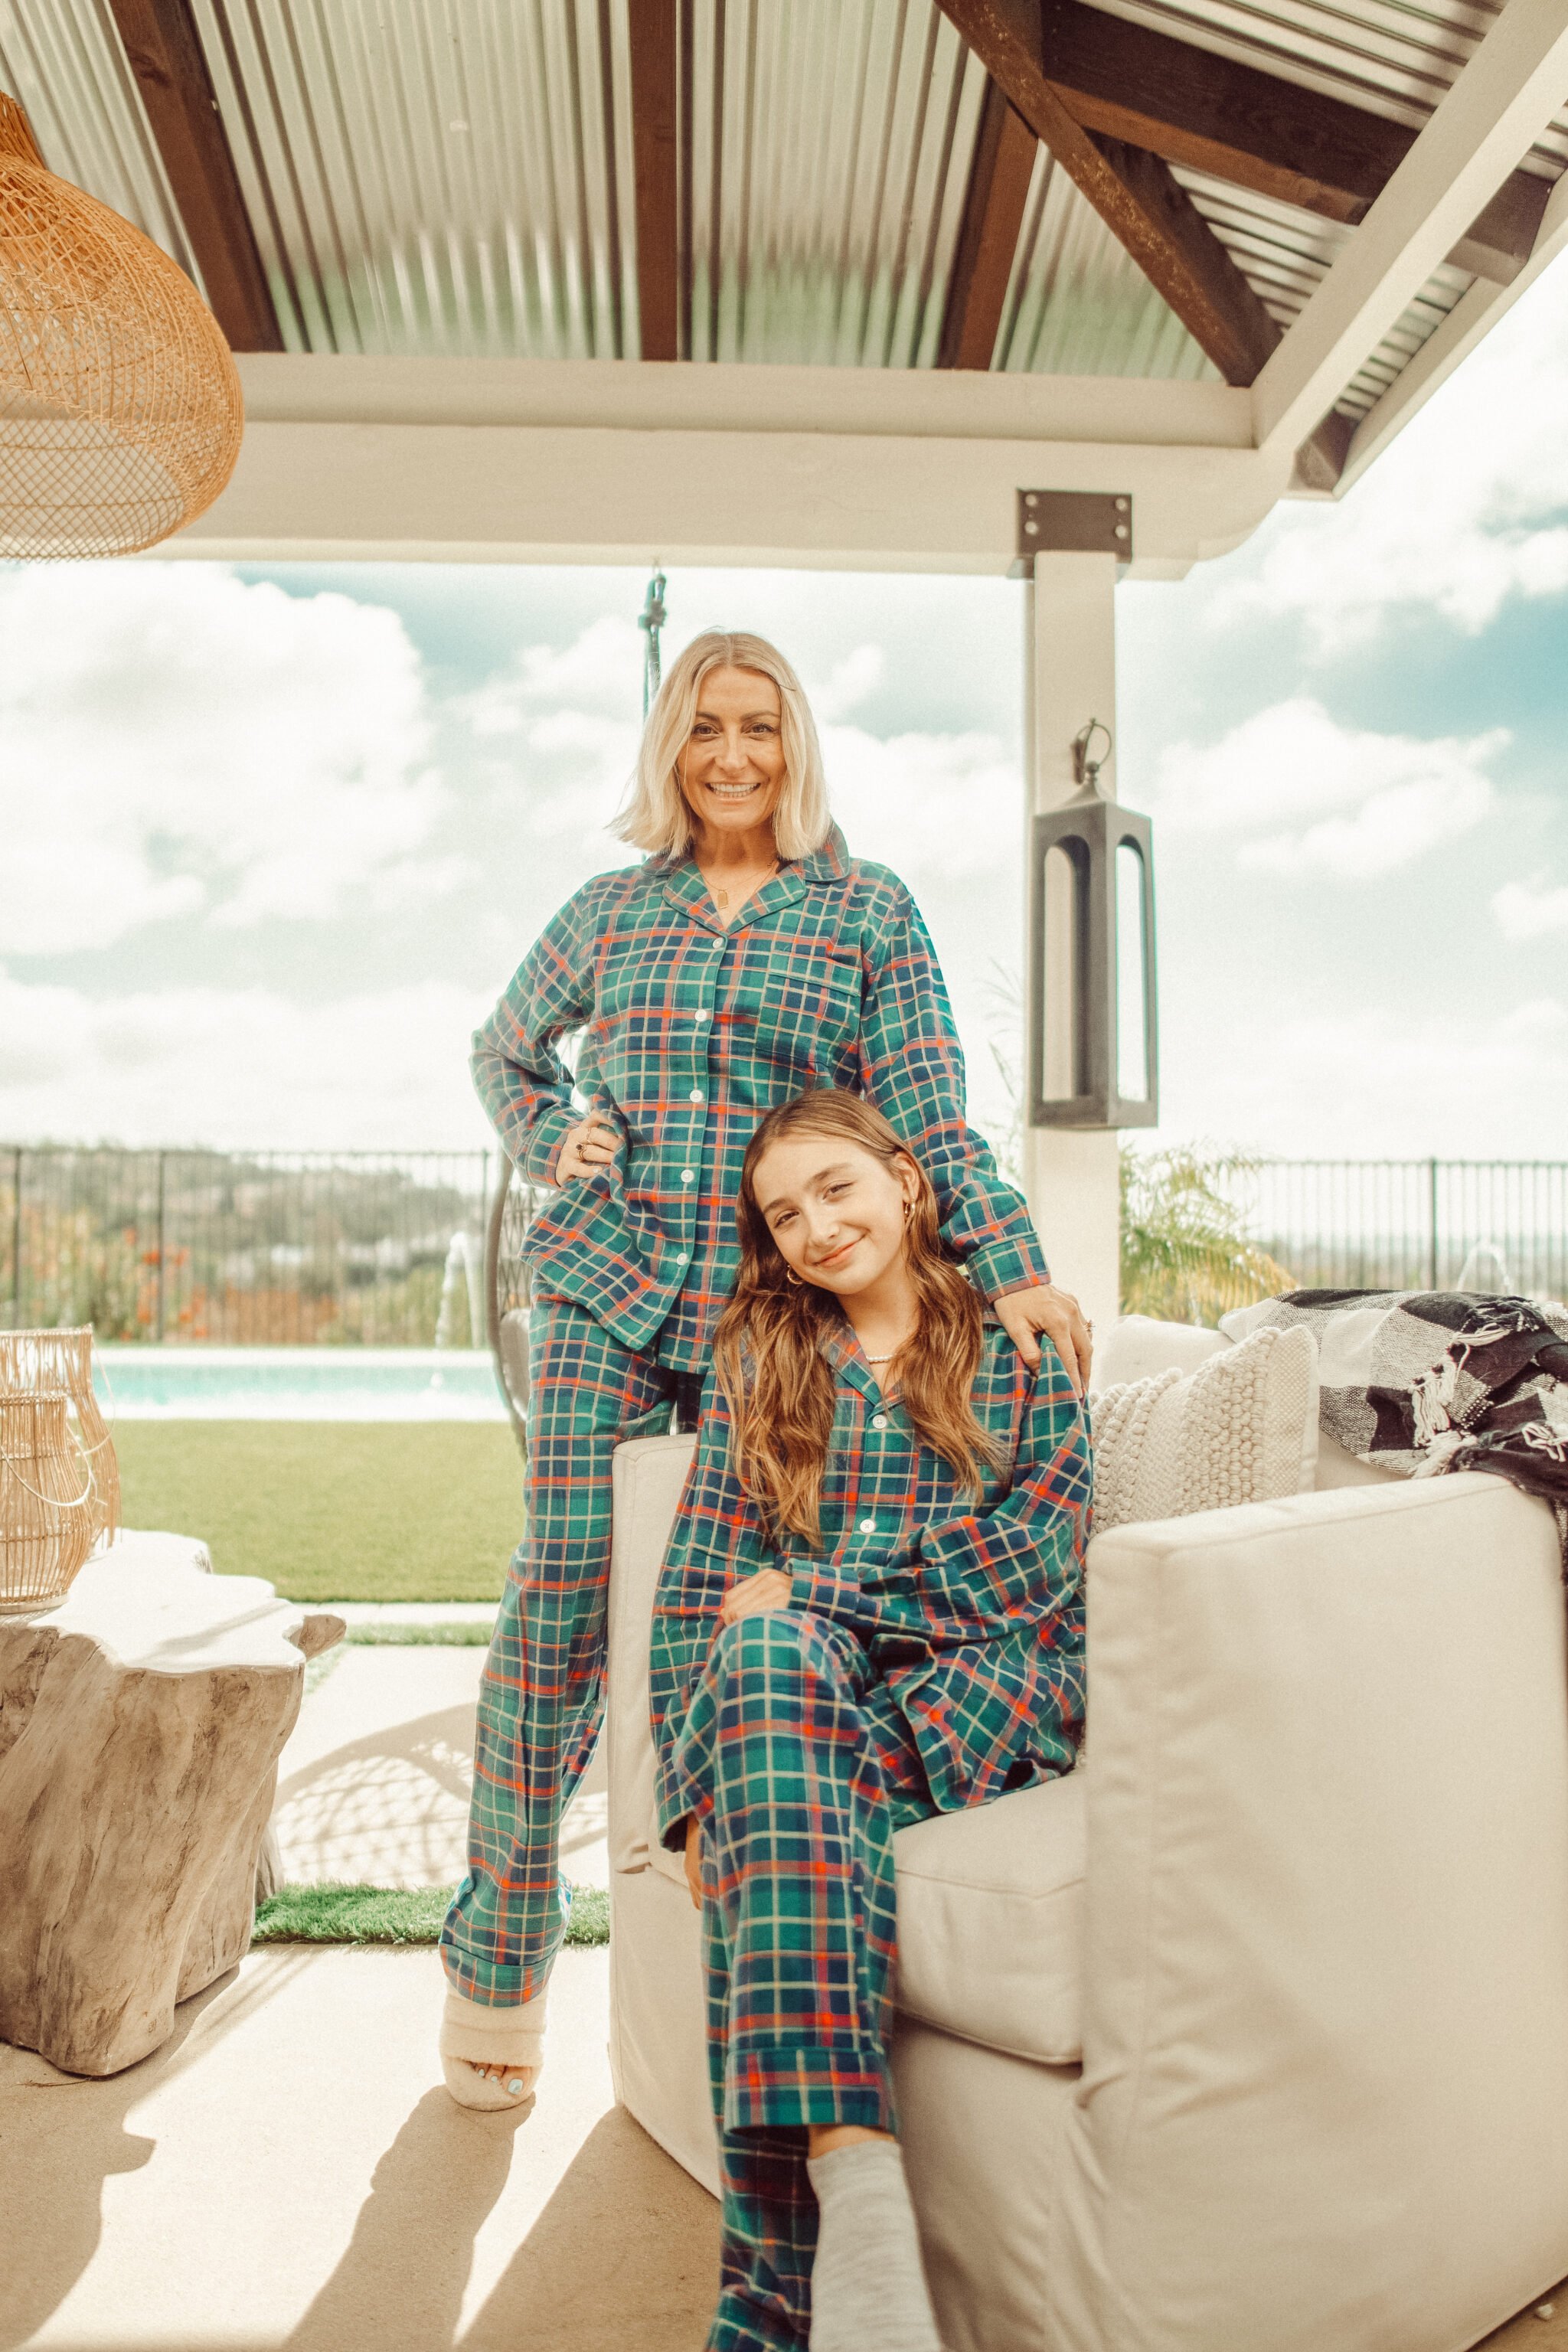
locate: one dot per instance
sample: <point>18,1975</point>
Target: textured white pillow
<point>1242,1428</point>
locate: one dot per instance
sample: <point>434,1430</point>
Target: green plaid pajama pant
<point>542,1697</point>
<point>799,1766</point>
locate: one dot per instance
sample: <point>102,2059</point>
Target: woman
<point>871,1611</point>
<point>749,956</point>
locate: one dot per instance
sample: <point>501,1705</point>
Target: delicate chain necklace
<point>721,897</point>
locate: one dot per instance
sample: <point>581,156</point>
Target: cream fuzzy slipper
<point>512,2037</point>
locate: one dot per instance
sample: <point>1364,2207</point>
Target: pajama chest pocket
<point>807,1015</point>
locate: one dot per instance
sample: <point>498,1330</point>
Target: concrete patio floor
<point>288,2171</point>
<point>288,2174</point>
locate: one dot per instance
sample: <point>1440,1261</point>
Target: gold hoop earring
<point>791,1276</point>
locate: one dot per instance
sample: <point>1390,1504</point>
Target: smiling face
<point>731,768</point>
<point>837,1213</point>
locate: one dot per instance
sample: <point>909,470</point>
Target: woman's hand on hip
<point>768,1588</point>
<point>589,1146</point>
<point>1057,1313</point>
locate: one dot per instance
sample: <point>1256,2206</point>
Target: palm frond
<point>1186,1256</point>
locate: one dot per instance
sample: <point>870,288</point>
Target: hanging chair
<point>506,1294</point>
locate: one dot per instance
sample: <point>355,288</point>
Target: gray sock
<point>868,2289</point>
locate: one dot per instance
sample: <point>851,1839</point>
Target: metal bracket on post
<point>1071,523</point>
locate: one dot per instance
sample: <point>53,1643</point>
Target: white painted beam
<point>1511,87</point>
<point>1473,316</point>
<point>885,477</point>
<point>638,395</point>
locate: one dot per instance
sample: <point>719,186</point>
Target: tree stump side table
<point>141,1723</point>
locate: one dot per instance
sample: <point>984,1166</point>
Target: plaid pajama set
<point>687,1035</point>
<point>931,1658</point>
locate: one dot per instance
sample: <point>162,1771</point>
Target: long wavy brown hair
<point>767,1349</point>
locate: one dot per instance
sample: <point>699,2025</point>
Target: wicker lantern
<point>46,1501</point>
<point>63,1359</point>
<point>120,404</point>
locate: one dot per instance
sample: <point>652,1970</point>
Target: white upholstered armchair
<point>1252,2034</point>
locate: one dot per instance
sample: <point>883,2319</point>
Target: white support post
<point>1072,1175</point>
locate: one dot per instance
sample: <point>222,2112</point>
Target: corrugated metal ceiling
<point>1395,57</point>
<point>829,150</point>
<point>1284,254</point>
<point>454,176</point>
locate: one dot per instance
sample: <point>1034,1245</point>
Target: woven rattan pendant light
<point>120,404</point>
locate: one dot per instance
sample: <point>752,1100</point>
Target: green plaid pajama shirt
<point>932,1658</point>
<point>687,1033</point>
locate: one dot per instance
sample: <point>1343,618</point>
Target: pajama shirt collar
<point>683,883</point>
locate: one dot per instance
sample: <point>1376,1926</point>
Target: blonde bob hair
<point>655,818</point>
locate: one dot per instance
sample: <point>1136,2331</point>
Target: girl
<point>748,956</point>
<point>871,1611</point>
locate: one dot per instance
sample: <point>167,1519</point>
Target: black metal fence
<point>1414,1224</point>
<point>384,1248</point>
<point>250,1248</point>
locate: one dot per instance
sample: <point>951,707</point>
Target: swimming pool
<point>142,1384</point>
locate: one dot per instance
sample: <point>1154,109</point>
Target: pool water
<point>185,1383</point>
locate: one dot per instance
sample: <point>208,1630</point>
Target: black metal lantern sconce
<point>1095,1042</point>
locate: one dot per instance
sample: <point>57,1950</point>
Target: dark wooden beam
<point>1239,123</point>
<point>171,72</point>
<point>1501,240</point>
<point>1131,189</point>
<point>988,227</point>
<point>654,59</point>
<point>1320,459</point>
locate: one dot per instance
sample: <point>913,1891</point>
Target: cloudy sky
<point>273,838</point>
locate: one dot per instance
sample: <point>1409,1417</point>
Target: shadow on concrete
<point>400,2282</point>
<point>63,2136</point>
<point>624,2257</point>
<point>391,1807</point>
<point>440,1745</point>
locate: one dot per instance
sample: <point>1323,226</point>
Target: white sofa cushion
<point>1242,1428</point>
<point>990,1921</point>
<point>1140,1344</point>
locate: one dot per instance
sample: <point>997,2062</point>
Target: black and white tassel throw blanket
<point>1423,1382</point>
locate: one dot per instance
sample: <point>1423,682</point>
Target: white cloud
<point>1303,794</point>
<point>939,809</point>
<point>243,1067</point>
<point>1528,911</point>
<point>173,739</point>
<point>848,684</point>
<point>1354,1083</point>
<point>1465,510</point>
<point>600,672</point>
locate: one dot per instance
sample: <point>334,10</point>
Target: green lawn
<point>386,1915</point>
<point>345,1510</point>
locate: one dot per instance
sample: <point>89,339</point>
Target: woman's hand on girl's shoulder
<point>770,1588</point>
<point>1024,1314</point>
